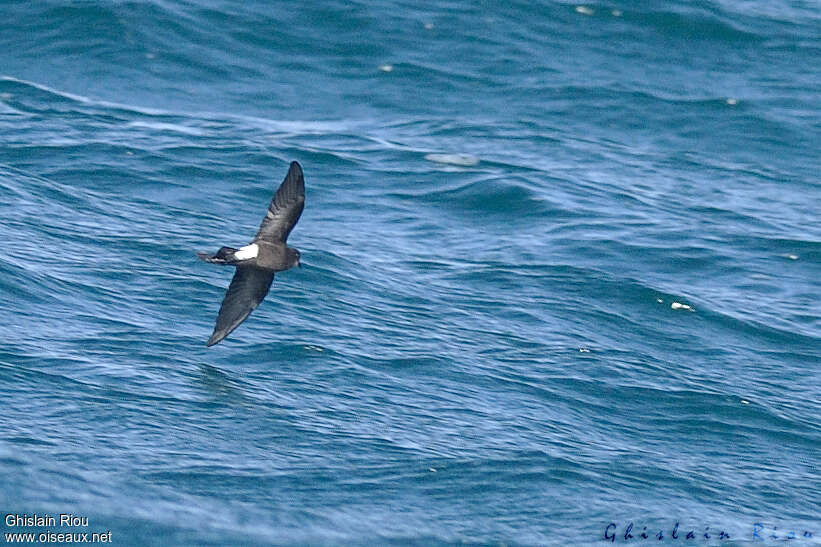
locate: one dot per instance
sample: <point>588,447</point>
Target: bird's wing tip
<point>294,170</point>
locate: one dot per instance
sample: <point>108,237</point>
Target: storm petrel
<point>257,261</point>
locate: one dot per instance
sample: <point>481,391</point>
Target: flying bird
<point>257,262</point>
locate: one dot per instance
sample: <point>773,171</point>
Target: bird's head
<point>293,258</point>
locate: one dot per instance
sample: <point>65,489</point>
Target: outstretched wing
<point>247,289</point>
<point>285,208</point>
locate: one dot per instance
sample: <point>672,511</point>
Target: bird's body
<point>257,262</point>
<point>275,257</point>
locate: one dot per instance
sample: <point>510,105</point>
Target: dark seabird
<point>257,261</point>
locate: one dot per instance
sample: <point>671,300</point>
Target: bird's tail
<point>224,256</point>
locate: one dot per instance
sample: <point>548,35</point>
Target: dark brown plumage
<point>257,262</point>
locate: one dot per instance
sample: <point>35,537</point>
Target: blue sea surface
<point>561,272</point>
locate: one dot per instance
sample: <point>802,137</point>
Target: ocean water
<point>561,272</point>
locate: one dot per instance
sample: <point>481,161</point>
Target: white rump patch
<point>247,252</point>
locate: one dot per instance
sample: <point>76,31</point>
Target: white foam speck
<point>465,160</point>
<point>386,68</point>
<point>680,306</point>
<point>584,10</point>
<point>745,402</point>
<point>732,101</point>
<point>791,257</point>
<point>584,350</point>
<point>659,300</point>
<point>428,26</point>
<point>432,470</point>
<point>616,13</point>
